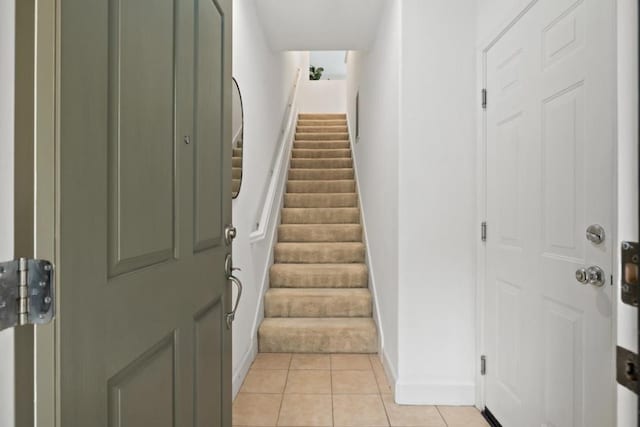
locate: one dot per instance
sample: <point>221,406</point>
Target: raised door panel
<point>141,133</point>
<point>209,130</point>
<point>209,325</point>
<point>563,358</point>
<point>562,174</point>
<point>143,394</point>
<point>509,181</point>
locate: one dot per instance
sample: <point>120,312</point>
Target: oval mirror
<point>237,127</point>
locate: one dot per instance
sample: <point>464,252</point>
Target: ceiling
<point>320,24</point>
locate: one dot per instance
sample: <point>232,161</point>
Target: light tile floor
<point>318,390</point>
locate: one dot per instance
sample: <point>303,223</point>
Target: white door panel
<point>550,122</point>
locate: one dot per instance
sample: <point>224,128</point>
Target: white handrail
<point>278,167</point>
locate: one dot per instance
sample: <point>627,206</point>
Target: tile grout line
<point>441,416</point>
<point>286,380</point>
<point>386,412</point>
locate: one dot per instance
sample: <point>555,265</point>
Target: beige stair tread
<point>320,233</point>
<point>320,200</point>
<point>319,253</point>
<point>319,276</point>
<point>321,153</point>
<point>322,116</point>
<point>321,216</point>
<point>321,128</point>
<point>318,335</point>
<point>321,145</point>
<point>288,302</point>
<point>322,122</point>
<point>321,174</point>
<point>321,186</point>
<point>321,163</point>
<point>323,136</point>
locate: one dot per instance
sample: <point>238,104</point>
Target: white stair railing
<point>278,169</point>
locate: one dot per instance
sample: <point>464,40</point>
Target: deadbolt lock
<point>595,234</point>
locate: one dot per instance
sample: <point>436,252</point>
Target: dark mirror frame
<point>237,88</point>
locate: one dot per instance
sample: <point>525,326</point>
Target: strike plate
<point>627,369</point>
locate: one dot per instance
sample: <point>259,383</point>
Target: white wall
<point>265,79</point>
<point>323,96</point>
<point>437,194</point>
<point>7,71</point>
<point>333,62</point>
<point>627,320</point>
<point>376,163</point>
<point>320,25</point>
<point>415,162</point>
<point>493,15</point>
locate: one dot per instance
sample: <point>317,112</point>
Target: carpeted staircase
<point>318,301</point>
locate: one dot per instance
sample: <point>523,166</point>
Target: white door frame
<point>481,178</point>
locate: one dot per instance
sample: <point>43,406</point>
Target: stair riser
<point>319,163</point>
<point>320,200</point>
<point>321,187</point>
<point>321,216</point>
<point>236,173</point>
<point>320,340</point>
<point>320,233</point>
<point>322,116</point>
<point>236,162</point>
<point>237,152</point>
<point>320,174</point>
<point>235,186</point>
<point>320,154</point>
<point>309,253</point>
<point>318,306</point>
<point>324,122</point>
<point>321,129</point>
<point>310,278</point>
<point>322,145</point>
<point>338,136</point>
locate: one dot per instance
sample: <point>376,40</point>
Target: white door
<point>550,167</point>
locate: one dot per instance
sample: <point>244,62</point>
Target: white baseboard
<point>372,280</point>
<point>243,369</point>
<point>425,393</point>
<point>392,375</point>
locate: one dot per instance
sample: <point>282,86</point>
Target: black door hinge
<point>483,231</point>
<point>484,99</point>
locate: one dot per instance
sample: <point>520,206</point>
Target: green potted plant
<point>315,73</point>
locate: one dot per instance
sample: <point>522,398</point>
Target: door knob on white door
<point>595,234</point>
<point>593,276</point>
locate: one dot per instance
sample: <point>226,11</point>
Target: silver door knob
<point>595,275</point>
<point>591,276</point>
<point>581,276</point>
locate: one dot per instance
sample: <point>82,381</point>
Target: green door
<point>143,197</point>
